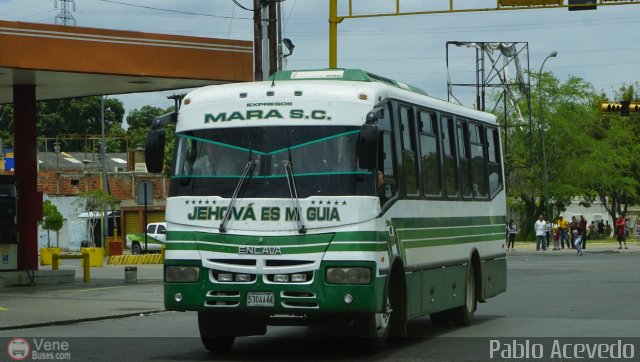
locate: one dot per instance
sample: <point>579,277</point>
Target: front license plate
<point>260,299</point>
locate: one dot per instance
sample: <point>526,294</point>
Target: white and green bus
<point>330,196</point>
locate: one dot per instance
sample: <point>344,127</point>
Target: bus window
<point>409,159</point>
<point>386,158</point>
<point>449,156</point>
<point>430,156</point>
<point>465,163</point>
<point>493,161</point>
<point>478,170</point>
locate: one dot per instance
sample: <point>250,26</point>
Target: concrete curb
<point>80,320</point>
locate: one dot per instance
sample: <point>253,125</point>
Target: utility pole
<point>272,26</point>
<point>266,44</point>
<point>257,40</point>
<point>65,17</point>
<point>177,99</point>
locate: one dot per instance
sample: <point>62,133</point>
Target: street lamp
<point>545,177</point>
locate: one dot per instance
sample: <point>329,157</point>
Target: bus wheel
<point>136,249</point>
<point>441,319</point>
<point>212,332</point>
<point>463,315</point>
<point>376,327</point>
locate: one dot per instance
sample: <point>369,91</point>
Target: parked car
<point>156,237</point>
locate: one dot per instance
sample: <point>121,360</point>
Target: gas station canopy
<point>63,61</point>
<point>39,62</point>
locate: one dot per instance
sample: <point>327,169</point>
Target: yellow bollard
<point>87,267</point>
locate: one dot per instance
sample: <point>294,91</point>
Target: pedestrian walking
<point>578,241</point>
<point>512,230</point>
<point>621,236</point>
<point>540,228</point>
<point>582,230</point>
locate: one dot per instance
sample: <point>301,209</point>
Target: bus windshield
<point>323,159</point>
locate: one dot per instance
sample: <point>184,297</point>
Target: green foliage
<point>73,116</point>
<point>53,219</point>
<point>589,154</point>
<point>6,125</point>
<point>139,124</point>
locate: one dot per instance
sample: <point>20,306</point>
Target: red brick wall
<point>123,186</point>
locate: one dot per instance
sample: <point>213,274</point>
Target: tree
<point>92,202</point>
<point>6,126</point>
<point>614,164</point>
<point>139,124</point>
<point>562,112</point>
<point>78,116</point>
<point>53,221</point>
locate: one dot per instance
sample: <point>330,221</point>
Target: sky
<point>600,46</point>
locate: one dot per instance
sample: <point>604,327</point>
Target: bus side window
<point>478,169</point>
<point>409,148</point>
<point>494,168</point>
<point>386,158</point>
<point>430,154</point>
<point>449,157</point>
<point>464,160</point>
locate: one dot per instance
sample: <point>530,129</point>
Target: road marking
<point>102,288</point>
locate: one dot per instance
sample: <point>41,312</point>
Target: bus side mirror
<point>368,146</point>
<point>154,150</point>
<point>154,145</point>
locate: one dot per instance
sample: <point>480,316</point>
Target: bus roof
<point>357,75</point>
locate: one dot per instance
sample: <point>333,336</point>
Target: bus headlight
<point>182,274</point>
<point>349,275</point>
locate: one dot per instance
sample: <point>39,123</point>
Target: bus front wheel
<point>463,315</point>
<point>375,328</point>
<point>214,332</point>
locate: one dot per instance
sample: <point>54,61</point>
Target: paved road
<point>553,295</point>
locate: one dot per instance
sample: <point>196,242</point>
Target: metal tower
<point>65,17</point>
<point>503,67</point>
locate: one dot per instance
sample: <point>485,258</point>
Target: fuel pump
<point>8,223</point>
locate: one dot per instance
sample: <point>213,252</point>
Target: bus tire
<point>463,315</point>
<point>214,332</point>
<point>136,249</point>
<point>441,319</point>
<point>375,328</point>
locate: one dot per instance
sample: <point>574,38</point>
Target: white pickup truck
<point>156,237</point>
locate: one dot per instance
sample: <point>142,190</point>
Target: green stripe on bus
<point>450,241</point>
<point>358,247</point>
<point>448,222</point>
<point>249,239</point>
<point>447,232</point>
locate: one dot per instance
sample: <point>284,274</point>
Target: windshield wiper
<point>293,191</point>
<point>248,170</point>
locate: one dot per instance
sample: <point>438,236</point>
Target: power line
<point>172,11</point>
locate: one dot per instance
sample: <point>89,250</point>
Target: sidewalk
<point>596,246</point>
<point>106,295</point>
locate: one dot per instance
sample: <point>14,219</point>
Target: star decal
<point>199,202</point>
<point>336,203</point>
<point>186,202</point>
<point>206,202</point>
<point>193,202</point>
<point>344,203</point>
<point>313,202</point>
<point>320,202</point>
